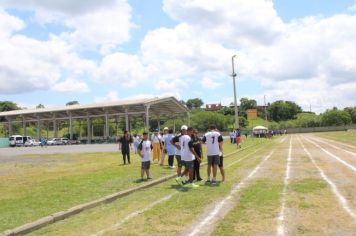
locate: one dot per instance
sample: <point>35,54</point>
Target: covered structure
<point>167,107</point>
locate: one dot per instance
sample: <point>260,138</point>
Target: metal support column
<point>159,123</point>
<point>70,128</point>
<point>55,128</point>
<point>89,133</point>
<point>10,126</point>
<point>127,120</point>
<point>147,118</point>
<point>38,130</point>
<point>174,124</point>
<point>107,131</point>
<point>24,126</point>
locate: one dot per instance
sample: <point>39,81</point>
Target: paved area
<point>84,148</point>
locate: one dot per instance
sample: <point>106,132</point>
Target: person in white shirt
<point>157,145</point>
<point>213,141</point>
<point>188,155</point>
<point>144,150</point>
<point>175,141</point>
<point>136,142</point>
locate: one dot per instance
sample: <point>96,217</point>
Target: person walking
<point>199,151</point>
<point>238,138</point>
<point>157,145</point>
<point>213,141</point>
<point>164,139</point>
<point>144,150</point>
<point>136,142</point>
<point>170,148</point>
<point>124,145</point>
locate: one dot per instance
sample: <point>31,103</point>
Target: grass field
<point>40,185</point>
<point>290,185</point>
<point>342,136</point>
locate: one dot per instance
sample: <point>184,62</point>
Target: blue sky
<point>96,52</point>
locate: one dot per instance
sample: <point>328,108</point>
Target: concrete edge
<point>29,227</point>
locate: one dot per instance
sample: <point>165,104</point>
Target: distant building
<point>213,107</point>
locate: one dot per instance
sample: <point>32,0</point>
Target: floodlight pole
<point>235,99</point>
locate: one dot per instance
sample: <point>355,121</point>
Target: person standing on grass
<point>221,167</point>
<point>136,142</point>
<point>175,141</point>
<point>213,141</point>
<point>157,145</point>
<point>144,150</point>
<point>199,151</point>
<point>188,156</point>
<point>170,148</point>
<point>164,151</point>
<point>238,138</point>
<point>124,145</point>
<point>232,136</point>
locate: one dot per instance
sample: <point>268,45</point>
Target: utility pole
<point>264,98</point>
<point>235,99</point>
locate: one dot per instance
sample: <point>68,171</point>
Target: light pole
<point>235,99</point>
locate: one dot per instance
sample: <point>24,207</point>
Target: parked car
<point>32,142</point>
<point>58,141</point>
<point>18,140</point>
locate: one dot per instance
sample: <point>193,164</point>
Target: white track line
<point>343,144</point>
<point>342,200</point>
<point>282,140</point>
<point>336,147</point>
<point>211,218</point>
<point>134,214</point>
<point>166,198</point>
<point>332,155</point>
<point>281,228</point>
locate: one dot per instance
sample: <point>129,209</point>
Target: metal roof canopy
<point>166,106</point>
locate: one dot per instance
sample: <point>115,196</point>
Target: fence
<point>4,142</point>
<point>321,129</point>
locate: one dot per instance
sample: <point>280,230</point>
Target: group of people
<point>235,137</point>
<point>185,147</point>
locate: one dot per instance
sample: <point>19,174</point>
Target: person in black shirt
<point>198,149</point>
<point>124,144</point>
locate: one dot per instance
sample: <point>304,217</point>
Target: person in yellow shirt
<point>157,145</point>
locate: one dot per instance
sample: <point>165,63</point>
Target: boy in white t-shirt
<point>188,155</point>
<point>144,150</point>
<point>213,141</point>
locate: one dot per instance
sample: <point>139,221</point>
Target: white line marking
<point>209,219</point>
<point>166,198</point>
<point>346,145</point>
<point>282,140</point>
<point>342,201</point>
<point>281,228</point>
<point>134,214</point>
<point>336,147</point>
<point>332,155</point>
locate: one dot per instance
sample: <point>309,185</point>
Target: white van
<point>18,140</point>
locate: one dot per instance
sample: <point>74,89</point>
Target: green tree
<point>246,104</point>
<point>8,106</point>
<point>352,112</point>
<point>194,103</point>
<point>283,110</point>
<point>202,119</point>
<point>39,106</point>
<point>71,103</point>
<point>335,117</point>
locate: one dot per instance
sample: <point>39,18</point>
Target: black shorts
<point>221,164</point>
<point>179,160</point>
<point>213,160</point>
<point>189,165</point>
<point>145,165</point>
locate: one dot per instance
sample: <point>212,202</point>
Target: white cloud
<point>111,96</point>
<point>210,83</point>
<point>352,8</point>
<point>90,24</point>
<point>9,24</point>
<point>71,85</point>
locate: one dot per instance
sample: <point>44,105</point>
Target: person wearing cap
<point>144,151</point>
<point>157,145</point>
<point>164,141</point>
<point>188,156</point>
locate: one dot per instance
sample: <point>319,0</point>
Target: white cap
<point>184,127</point>
<point>166,128</point>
